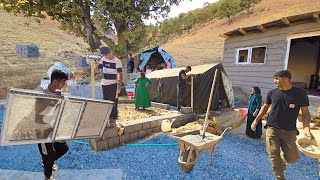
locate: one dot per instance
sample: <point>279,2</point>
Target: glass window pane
<point>243,56</point>
<point>258,55</point>
<point>68,119</point>
<point>31,118</point>
<point>93,119</point>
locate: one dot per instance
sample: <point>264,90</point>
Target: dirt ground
<point>199,46</point>
<point>55,45</point>
<point>127,112</point>
<point>204,45</point>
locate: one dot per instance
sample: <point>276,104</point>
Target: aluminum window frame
<point>250,55</point>
<point>53,137</point>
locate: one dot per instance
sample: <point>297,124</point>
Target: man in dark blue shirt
<point>286,102</point>
<point>182,81</point>
<point>130,64</point>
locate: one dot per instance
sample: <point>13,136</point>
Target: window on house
<point>258,54</point>
<point>243,56</point>
<point>251,55</point>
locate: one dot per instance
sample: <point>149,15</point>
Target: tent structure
<point>164,88</point>
<point>155,56</point>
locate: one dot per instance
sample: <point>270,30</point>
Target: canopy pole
<point>93,87</point>
<point>192,93</point>
<point>209,104</point>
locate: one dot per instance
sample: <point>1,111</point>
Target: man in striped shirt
<point>112,79</point>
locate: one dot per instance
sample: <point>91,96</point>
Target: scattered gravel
<point>234,158</point>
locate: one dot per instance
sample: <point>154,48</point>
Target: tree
<point>118,23</point>
<point>228,8</point>
<point>249,5</point>
<point>73,16</point>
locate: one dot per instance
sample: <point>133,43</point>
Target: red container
<point>243,111</point>
<point>130,94</point>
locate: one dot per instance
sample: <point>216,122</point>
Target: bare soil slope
<point>55,45</point>
<point>204,45</point>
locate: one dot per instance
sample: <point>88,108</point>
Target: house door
<point>304,62</point>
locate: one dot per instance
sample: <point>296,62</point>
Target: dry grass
<point>206,46</point>
<point>54,44</point>
<point>200,46</point>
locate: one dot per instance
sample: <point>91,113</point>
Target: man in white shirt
<point>112,79</point>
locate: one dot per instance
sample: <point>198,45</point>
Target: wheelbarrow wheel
<point>184,157</point>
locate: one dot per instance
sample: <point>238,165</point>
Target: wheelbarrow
<point>192,145</point>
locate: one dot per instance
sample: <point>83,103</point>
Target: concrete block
<point>99,145</point>
<point>126,101</point>
<point>130,128</point>
<point>146,125</point>
<point>149,130</point>
<point>143,134</point>
<point>186,110</point>
<point>156,129</point>
<point>115,142</point>
<point>124,138</point>
<point>110,132</point>
<point>110,143</point>
<point>160,105</point>
<point>93,144</point>
<point>134,136</point>
<point>156,123</point>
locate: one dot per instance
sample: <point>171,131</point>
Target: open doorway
<point>304,63</point>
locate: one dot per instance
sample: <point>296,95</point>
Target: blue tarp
<point>145,56</point>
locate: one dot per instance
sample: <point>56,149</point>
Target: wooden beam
<point>262,28</point>
<point>242,31</point>
<point>285,21</point>
<point>224,36</point>
<point>316,17</point>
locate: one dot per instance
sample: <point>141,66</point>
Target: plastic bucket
<point>243,111</point>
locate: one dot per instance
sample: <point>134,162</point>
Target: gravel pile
<point>234,158</point>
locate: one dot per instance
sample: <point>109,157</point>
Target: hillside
<point>54,45</point>
<point>203,45</point>
<point>206,46</point>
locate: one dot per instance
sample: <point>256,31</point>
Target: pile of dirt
<point>193,126</point>
<point>212,128</point>
<point>127,112</point>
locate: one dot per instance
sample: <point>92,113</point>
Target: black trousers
<point>180,90</point>
<point>109,93</point>
<point>50,152</point>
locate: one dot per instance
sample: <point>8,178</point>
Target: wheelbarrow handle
<point>225,131</point>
